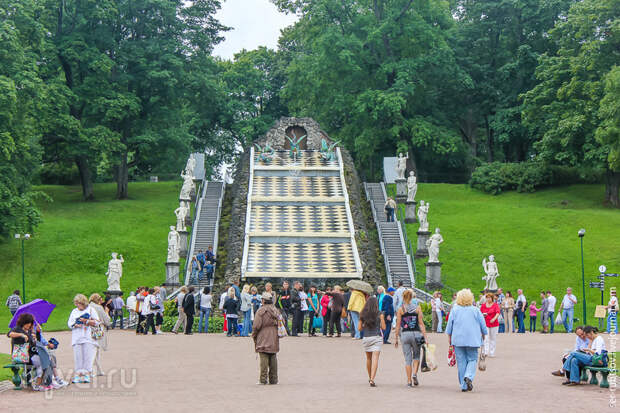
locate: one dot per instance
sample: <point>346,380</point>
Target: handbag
<point>419,338</point>
<point>423,365</point>
<point>600,360</point>
<point>97,332</point>
<point>343,313</point>
<point>451,357</point>
<point>429,350</point>
<point>281,327</point>
<point>20,353</point>
<point>482,363</point>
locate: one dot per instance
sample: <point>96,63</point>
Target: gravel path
<point>214,373</point>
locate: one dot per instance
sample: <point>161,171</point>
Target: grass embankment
<point>533,237</point>
<point>69,251</point>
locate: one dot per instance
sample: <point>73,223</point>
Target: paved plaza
<point>218,374</point>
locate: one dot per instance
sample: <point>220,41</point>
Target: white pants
<point>83,356</point>
<point>97,360</point>
<point>490,340</point>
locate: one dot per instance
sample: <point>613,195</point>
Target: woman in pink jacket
<point>325,310</point>
<point>533,313</point>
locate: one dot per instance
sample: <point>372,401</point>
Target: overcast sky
<point>254,23</point>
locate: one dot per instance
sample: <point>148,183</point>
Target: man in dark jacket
<point>189,308</point>
<point>284,303</point>
<point>387,307</point>
<point>298,315</point>
<point>266,339</point>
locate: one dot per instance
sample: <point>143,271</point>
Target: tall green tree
<point>573,108</point>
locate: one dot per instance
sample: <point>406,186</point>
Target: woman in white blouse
<point>81,320</point>
<point>583,357</point>
<point>102,344</point>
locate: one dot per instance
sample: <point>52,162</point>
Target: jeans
<point>285,313</point>
<point>388,329</point>
<point>567,319</point>
<point>204,316</point>
<point>232,326</point>
<point>574,362</point>
<point>612,322</point>
<point>311,315</point>
<point>247,323</point>
<point>298,322</point>
<point>389,214</point>
<point>466,363</point>
<point>117,314</point>
<point>551,321</point>
<point>194,276</point>
<point>532,324</point>
<point>355,318</point>
<point>439,321</point>
<point>520,317</point>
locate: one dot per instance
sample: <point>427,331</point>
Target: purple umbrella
<point>39,308</point>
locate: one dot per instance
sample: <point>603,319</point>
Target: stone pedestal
<point>172,274</point>
<point>192,194</point>
<point>183,236</point>
<point>422,250</point>
<point>410,212</point>
<point>401,190</point>
<point>114,293</point>
<point>184,199</point>
<point>433,276</point>
<point>188,221</point>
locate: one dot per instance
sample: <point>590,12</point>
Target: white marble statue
<point>401,165</point>
<point>412,187</point>
<point>433,246</point>
<point>181,213</point>
<point>188,185</point>
<point>174,244</point>
<point>423,215</point>
<point>190,166</point>
<point>115,272</point>
<point>490,268</point>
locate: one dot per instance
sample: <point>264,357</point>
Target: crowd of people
<point>203,264</point>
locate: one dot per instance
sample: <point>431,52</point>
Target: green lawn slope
<point>70,250</point>
<point>532,235</point>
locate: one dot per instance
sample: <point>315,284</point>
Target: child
<point>533,313</point>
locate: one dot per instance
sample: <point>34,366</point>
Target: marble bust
<point>174,241</point>
<point>490,268</point>
<point>423,215</point>
<point>115,272</point>
<point>181,212</point>
<point>401,165</point>
<point>433,246</point>
<point>412,187</point>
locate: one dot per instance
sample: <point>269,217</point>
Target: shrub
<point>216,323</point>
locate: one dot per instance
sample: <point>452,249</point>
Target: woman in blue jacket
<point>466,330</point>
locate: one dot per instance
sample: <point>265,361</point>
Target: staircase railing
<point>386,262</point>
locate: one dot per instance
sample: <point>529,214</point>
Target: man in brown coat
<point>266,340</point>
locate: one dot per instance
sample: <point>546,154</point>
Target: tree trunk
<point>86,179</point>
<point>122,178</point>
<point>490,140</point>
<point>411,165</point>
<point>612,182</point>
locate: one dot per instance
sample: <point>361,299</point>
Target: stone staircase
<point>206,226</point>
<point>397,262</point>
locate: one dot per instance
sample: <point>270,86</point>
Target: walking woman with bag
<point>410,325</point>
<point>465,329</point>
<point>102,342</point>
<point>371,323</point>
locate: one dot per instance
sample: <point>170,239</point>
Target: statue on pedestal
<point>423,215</point>
<point>412,187</point>
<point>401,165</point>
<point>327,152</point>
<point>181,212</point>
<point>295,150</point>
<point>115,272</point>
<point>433,246</point>
<point>174,244</point>
<point>190,165</point>
<point>188,185</point>
<point>490,268</point>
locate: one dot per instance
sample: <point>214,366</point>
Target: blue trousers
<point>551,321</point>
<point>574,361</point>
<point>232,326</point>
<point>612,322</point>
<point>388,329</point>
<point>466,363</point>
<point>567,319</point>
<point>204,316</point>
<point>355,318</point>
<point>520,317</point>
<point>247,323</point>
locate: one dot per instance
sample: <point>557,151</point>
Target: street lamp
<point>582,233</point>
<point>23,238</point>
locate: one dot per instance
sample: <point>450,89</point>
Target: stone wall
<point>275,137</point>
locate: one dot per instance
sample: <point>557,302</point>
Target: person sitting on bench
<point>578,359</point>
<point>581,342</point>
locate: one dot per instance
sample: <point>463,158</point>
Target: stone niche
<point>276,136</point>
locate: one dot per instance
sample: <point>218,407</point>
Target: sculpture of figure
<point>295,145</point>
<point>490,268</point>
<point>327,151</point>
<point>174,244</point>
<point>115,272</point>
<point>423,215</point>
<point>188,185</point>
<point>433,246</point>
<point>181,212</point>
<point>264,154</point>
<point>412,187</point>
<point>190,165</point>
<point>401,165</point>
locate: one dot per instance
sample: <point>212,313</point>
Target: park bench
<point>593,370</point>
<point>16,368</point>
